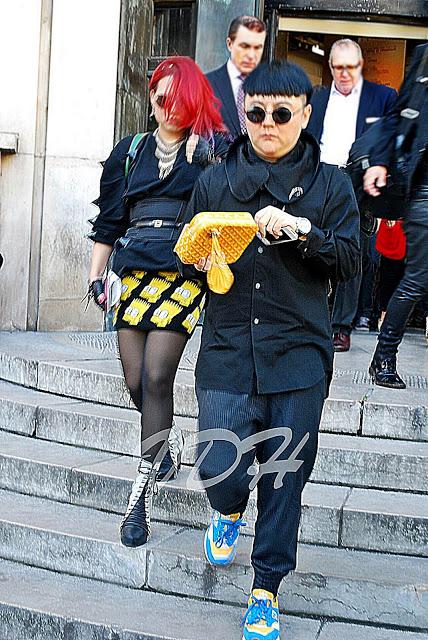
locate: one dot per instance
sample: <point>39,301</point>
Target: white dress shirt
<point>340,124</point>
<point>235,78</point>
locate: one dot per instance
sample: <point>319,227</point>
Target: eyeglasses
<point>282,115</point>
<point>340,68</point>
<point>160,101</point>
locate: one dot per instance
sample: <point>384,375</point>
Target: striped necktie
<point>240,105</point>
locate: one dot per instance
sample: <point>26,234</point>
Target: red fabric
<point>391,241</point>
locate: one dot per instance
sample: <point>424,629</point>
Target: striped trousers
<point>297,415</point>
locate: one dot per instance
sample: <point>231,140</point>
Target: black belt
<point>156,223</point>
<point>157,212</point>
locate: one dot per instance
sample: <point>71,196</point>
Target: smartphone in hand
<point>288,235</point>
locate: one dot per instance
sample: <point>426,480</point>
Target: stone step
<point>351,408</point>
<point>42,605</point>
<point>340,631</point>
<point>54,606</point>
<point>103,481</point>
<point>343,460</point>
<point>328,582</point>
<point>340,516</point>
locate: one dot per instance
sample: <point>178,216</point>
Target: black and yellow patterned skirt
<point>159,300</point>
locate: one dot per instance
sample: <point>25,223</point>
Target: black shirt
<point>271,332</point>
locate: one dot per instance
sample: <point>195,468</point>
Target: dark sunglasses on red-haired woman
<point>160,101</point>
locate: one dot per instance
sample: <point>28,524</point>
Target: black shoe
<point>135,527</point>
<point>384,373</point>
<point>171,463</point>
<point>363,324</point>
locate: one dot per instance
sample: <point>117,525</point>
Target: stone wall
<point>58,82</point>
<point>80,133</point>
<point>19,47</point>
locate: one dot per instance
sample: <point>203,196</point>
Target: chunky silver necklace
<point>166,154</point>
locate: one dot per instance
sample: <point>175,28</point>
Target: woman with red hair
<point>145,186</point>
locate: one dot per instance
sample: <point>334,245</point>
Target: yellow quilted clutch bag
<point>222,234</point>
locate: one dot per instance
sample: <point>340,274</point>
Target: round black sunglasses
<point>282,115</point>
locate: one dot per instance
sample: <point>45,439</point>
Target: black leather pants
<point>414,284</point>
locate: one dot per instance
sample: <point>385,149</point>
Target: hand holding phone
<point>287,235</point>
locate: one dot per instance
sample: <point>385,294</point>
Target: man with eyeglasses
<point>266,354</point>
<point>340,114</point>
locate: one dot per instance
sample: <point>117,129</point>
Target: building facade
<point>74,80</point>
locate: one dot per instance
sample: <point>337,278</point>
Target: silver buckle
<point>409,113</point>
<point>157,223</point>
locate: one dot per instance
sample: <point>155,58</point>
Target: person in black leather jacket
<point>414,284</point>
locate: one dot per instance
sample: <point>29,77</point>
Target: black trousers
<point>414,284</point>
<point>279,507</point>
<point>390,274</point>
<point>354,298</point>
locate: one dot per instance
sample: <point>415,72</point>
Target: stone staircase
<point>68,438</point>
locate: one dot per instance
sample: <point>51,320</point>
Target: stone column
<point>80,134</point>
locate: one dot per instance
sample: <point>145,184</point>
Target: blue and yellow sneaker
<point>261,622</point>
<point>221,538</point>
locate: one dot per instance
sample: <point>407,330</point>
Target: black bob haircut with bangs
<point>278,79</point>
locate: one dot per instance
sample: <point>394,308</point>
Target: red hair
<point>190,97</point>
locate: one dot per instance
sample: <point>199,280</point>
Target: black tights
<point>150,360</point>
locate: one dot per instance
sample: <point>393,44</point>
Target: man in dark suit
<point>340,114</point>
<point>245,42</point>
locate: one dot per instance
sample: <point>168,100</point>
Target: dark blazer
<point>220,82</point>
<point>375,101</point>
<point>418,135</point>
<point>271,332</point>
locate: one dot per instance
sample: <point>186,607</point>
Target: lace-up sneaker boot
<point>135,526</point>
<point>221,538</point>
<point>261,621</point>
<point>171,463</point>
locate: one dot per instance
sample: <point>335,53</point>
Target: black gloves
<point>96,291</point>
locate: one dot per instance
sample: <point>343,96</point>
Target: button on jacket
<point>271,332</point>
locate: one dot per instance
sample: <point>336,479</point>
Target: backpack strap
<point>132,151</point>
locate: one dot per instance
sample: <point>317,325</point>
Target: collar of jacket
<point>286,180</point>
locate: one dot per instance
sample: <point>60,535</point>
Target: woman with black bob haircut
<point>266,355</point>
<point>144,190</point>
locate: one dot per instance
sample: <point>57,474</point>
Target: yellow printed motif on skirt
<point>135,311</point>
<point>186,293</point>
<point>163,315</point>
<point>153,291</point>
<point>129,283</point>
<point>168,275</point>
<point>190,322</point>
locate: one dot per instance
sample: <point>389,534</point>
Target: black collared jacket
<point>271,332</point>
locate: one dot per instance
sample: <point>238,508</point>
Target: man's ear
<point>229,44</point>
<point>306,115</point>
<point>362,63</point>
